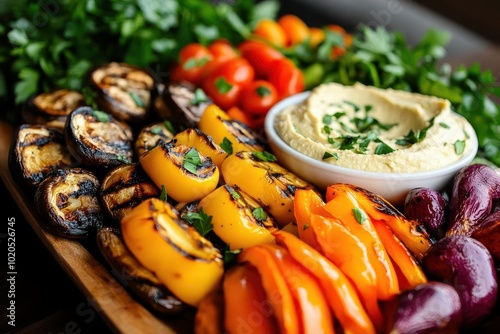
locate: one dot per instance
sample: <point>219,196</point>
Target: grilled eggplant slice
<point>185,104</point>
<point>98,139</point>
<point>123,188</point>
<point>142,282</point>
<point>125,91</point>
<point>150,136</point>
<point>52,108</point>
<point>68,203</point>
<point>36,152</point>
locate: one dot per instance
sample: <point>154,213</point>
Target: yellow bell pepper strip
<point>409,268</point>
<point>247,309</point>
<point>237,218</point>
<point>343,206</point>
<point>340,293</point>
<point>204,143</point>
<point>216,123</point>
<point>186,174</point>
<point>314,313</point>
<point>266,181</point>
<point>177,254</point>
<point>275,286</point>
<point>350,255</point>
<point>409,232</point>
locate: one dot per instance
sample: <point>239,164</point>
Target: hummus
<point>377,130</point>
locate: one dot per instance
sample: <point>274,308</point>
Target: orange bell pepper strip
<point>307,202</point>
<point>343,205</point>
<point>340,294</point>
<point>246,307</point>
<point>402,258</point>
<point>314,313</point>
<point>409,232</point>
<point>350,255</point>
<point>275,286</point>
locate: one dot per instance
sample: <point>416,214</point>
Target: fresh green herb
<point>101,116</point>
<point>137,100</point>
<point>200,221</point>
<point>199,97</point>
<point>230,255</point>
<point>459,146</point>
<point>156,130</point>
<point>383,148</point>
<point>234,194</point>
<point>222,85</point>
<point>262,91</point>
<point>355,106</point>
<point>360,215</point>
<point>123,158</point>
<point>328,155</point>
<point>339,114</point>
<point>264,156</point>
<point>168,125</point>
<point>327,119</point>
<point>444,125</point>
<point>227,146</point>
<point>192,160</point>
<point>368,108</point>
<point>163,194</point>
<point>259,214</point>
<point>306,226</point>
<point>327,129</point>
<point>414,137</point>
<point>194,62</point>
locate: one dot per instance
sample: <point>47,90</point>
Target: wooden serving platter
<point>116,306</point>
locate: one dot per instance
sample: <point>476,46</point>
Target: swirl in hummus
<point>377,130</point>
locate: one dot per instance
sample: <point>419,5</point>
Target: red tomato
<point>236,70</point>
<point>223,92</point>
<point>286,77</point>
<point>260,56</point>
<point>257,97</point>
<point>221,49</point>
<point>192,59</point>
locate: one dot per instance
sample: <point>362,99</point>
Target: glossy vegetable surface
<point>467,265</point>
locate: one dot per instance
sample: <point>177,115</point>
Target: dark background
<point>47,300</point>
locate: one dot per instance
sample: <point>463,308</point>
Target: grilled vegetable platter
<point>168,183</point>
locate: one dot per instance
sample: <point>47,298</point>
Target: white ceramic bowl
<point>392,186</point>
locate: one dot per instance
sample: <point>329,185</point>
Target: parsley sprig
<point>200,221</point>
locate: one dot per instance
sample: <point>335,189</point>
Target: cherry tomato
<point>236,70</point>
<point>295,29</point>
<point>260,56</point>
<point>254,122</point>
<point>286,77</point>
<point>192,58</point>
<point>224,93</point>
<point>221,49</point>
<point>257,97</point>
<point>271,31</point>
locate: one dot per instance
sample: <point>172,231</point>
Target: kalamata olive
<point>428,207</point>
<point>433,307</point>
<point>475,188</point>
<point>467,265</point>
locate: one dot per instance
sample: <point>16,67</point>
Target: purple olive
<point>433,307</point>
<point>467,265</point>
<point>489,234</point>
<point>475,188</point>
<point>428,207</point>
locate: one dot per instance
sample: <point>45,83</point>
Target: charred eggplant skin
<point>125,187</point>
<point>52,108</point>
<point>125,91</point>
<point>475,188</point>
<point>98,139</point>
<point>67,201</point>
<point>178,98</point>
<point>36,152</point>
<point>134,276</point>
